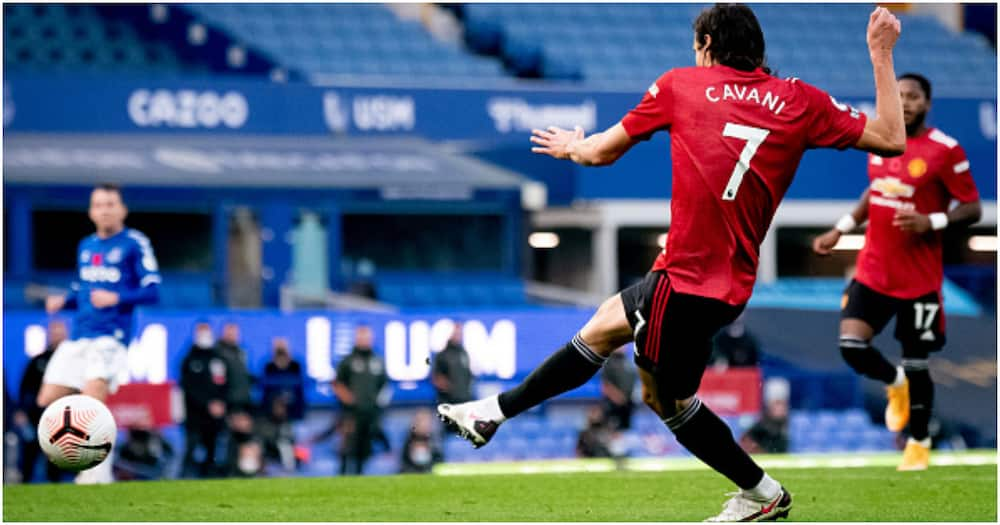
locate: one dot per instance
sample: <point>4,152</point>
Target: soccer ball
<point>77,432</point>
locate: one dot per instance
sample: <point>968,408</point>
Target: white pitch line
<point>890,459</point>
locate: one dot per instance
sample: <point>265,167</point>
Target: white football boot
<point>742,508</point>
<point>471,420</point>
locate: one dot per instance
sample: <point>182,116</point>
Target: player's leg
<point>64,373</point>
<point>105,357</point>
<point>104,471</point>
<point>916,454</point>
<point>51,392</point>
<point>97,388</point>
<point>679,349</point>
<point>575,363</point>
<point>864,314</point>
<point>920,329</point>
<point>569,367</point>
<point>649,393</point>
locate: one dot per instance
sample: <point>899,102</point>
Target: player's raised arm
<point>885,134</point>
<point>823,244</point>
<point>599,149</point>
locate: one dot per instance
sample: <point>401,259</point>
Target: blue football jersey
<point>123,263</point>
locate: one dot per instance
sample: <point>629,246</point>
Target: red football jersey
<point>931,173</point>
<point>736,139</point>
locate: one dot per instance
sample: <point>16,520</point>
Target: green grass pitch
<point>952,493</point>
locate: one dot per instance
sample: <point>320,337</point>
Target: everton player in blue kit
<point>116,271</point>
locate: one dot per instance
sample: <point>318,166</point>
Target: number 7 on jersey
<point>754,137</point>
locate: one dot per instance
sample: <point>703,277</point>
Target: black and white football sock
<point>569,367</point>
<point>866,360</point>
<point>710,440</point>
<point>921,396</point>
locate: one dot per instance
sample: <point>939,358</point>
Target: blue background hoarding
<point>478,120</point>
<point>502,345</point>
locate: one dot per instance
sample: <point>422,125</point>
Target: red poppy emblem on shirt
<point>96,259</point>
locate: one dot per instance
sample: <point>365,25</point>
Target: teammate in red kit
<point>737,135</point>
<point>900,267</point>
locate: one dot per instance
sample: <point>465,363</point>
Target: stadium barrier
<point>504,346</point>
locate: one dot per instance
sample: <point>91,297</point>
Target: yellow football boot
<point>897,412</point>
<point>915,456</point>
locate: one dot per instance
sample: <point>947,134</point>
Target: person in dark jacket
<point>239,420</point>
<point>420,451</point>
<point>618,379</point>
<point>452,376</point>
<point>283,379</point>
<point>734,346</point>
<point>203,381</point>
<point>29,413</point>
<point>594,439</point>
<point>361,386</point>
<point>283,401</point>
<point>770,433</point>
<point>238,396</point>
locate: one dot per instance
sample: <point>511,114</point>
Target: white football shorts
<point>76,362</point>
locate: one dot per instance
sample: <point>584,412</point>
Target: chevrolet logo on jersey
<point>892,187</point>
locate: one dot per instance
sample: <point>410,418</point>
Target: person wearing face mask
<point>420,451</point>
<point>203,381</point>
<point>361,386</point>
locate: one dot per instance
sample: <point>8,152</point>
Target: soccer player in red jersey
<point>899,270</point>
<point>737,135</point>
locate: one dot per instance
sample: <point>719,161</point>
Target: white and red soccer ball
<point>77,432</point>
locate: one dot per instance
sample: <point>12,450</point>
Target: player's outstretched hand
<point>54,303</point>
<point>823,244</point>
<point>555,141</point>
<point>911,221</point>
<point>883,31</point>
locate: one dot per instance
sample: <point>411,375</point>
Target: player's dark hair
<point>109,186</point>
<point>925,84</point>
<point>737,40</point>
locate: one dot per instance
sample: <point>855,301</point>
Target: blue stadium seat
<point>837,431</point>
<point>370,40</point>
<point>833,58</point>
<point>75,37</point>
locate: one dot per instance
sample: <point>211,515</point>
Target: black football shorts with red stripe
<point>673,331</point>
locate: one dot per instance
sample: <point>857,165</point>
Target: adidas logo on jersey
<point>100,274</point>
